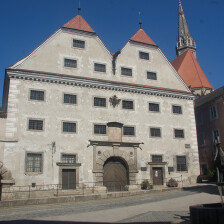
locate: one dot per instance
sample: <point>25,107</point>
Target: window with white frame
<point>34,162</point>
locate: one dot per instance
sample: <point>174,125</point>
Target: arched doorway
<point>115,174</point>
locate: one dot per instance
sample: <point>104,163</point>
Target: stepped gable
<point>142,37</point>
<point>79,23</point>
<point>190,70</point>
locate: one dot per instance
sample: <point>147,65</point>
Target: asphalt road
<point>164,207</point>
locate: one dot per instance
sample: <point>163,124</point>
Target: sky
<point>25,24</point>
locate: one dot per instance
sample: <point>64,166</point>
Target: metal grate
<point>34,162</point>
<point>155,132</point>
<point>36,125</point>
<point>179,133</point>
<point>151,75</point>
<point>69,127</point>
<point>71,99</point>
<point>181,163</point>
<point>144,55</point>
<point>126,71</point>
<point>70,63</point>
<point>99,129</point>
<point>99,67</point>
<point>127,104</point>
<point>36,95</point>
<point>99,102</point>
<point>177,109</point>
<point>78,43</point>
<point>154,107</point>
<point>71,159</point>
<point>128,130</point>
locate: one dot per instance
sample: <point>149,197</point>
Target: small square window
<point>37,95</point>
<point>78,43</point>
<point>126,104</point>
<point>128,130</point>
<point>179,133</point>
<point>35,125</point>
<point>99,67</point>
<point>157,159</point>
<point>151,75</point>
<point>181,163</point>
<point>144,55</point>
<point>126,71</point>
<point>69,159</point>
<point>177,109</point>
<point>100,129</point>
<point>69,127</point>
<point>154,107</point>
<point>70,99</point>
<point>71,63</point>
<point>34,162</point>
<point>155,132</point>
<point>99,102</point>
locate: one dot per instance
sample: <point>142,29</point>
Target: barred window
<point>34,162</point>
<point>126,104</point>
<point>181,163</point>
<point>154,107</point>
<point>70,63</point>
<point>157,159</point>
<point>100,129</point>
<point>155,132</point>
<point>144,55</point>
<point>71,99</point>
<point>70,159</point>
<point>35,125</point>
<point>128,130</point>
<point>151,75</point>
<point>179,133</point>
<point>126,71</point>
<point>177,109</point>
<point>99,102</point>
<point>99,67</point>
<point>78,43</point>
<point>69,127</point>
<point>36,95</point>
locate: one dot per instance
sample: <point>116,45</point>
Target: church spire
<point>184,40</point>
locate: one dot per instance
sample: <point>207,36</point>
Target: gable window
<point>151,75</point>
<point>70,99</point>
<point>126,71</point>
<point>157,159</point>
<point>37,95</point>
<point>69,127</point>
<point>34,162</point>
<point>154,107</point>
<point>71,63</point>
<point>99,67</point>
<point>35,125</point>
<point>155,132</point>
<point>143,55</point>
<point>179,133</point>
<point>78,43</point>
<point>127,104</point>
<point>100,129</point>
<point>177,109</point>
<point>213,112</point>
<point>128,130</point>
<point>181,163</point>
<point>69,159</point>
<point>99,102</point>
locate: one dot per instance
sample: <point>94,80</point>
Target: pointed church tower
<point>184,40</point>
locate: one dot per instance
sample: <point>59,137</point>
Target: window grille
<point>69,127</point>
<point>36,95</point>
<point>179,133</point>
<point>78,43</point>
<point>127,104</point>
<point>155,132</point>
<point>99,102</point>
<point>99,129</point>
<point>34,162</point>
<point>71,99</point>
<point>99,67</point>
<point>151,75</point>
<point>181,163</point>
<point>126,71</point>
<point>144,55</point>
<point>70,63</point>
<point>36,125</point>
<point>128,130</point>
<point>70,159</point>
<point>157,159</point>
<point>177,109</point>
<point>154,107</point>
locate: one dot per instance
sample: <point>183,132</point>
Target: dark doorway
<point>68,179</point>
<point>157,173</point>
<point>115,174</point>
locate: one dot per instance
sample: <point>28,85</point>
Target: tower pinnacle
<point>184,40</point>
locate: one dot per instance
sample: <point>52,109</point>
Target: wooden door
<point>68,179</point>
<point>157,175</point>
<point>115,176</point>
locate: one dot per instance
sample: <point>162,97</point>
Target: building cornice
<point>96,83</point>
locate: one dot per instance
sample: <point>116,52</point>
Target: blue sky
<point>25,24</point>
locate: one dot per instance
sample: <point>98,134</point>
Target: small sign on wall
<point>143,168</point>
<point>187,146</point>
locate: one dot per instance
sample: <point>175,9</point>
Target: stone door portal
<point>157,175</point>
<point>68,179</point>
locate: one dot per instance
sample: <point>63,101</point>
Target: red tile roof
<point>142,37</point>
<point>79,23</point>
<point>190,70</point>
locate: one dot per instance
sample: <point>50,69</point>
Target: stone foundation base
<point>100,189</point>
<point>134,187</point>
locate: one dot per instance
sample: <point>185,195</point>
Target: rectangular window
<point>69,159</point>
<point>179,133</point>
<point>144,55</point>
<point>69,127</point>
<point>154,107</point>
<point>126,104</point>
<point>157,159</point>
<point>100,129</point>
<point>128,130</point>
<point>151,75</point>
<point>155,132</point>
<point>181,163</point>
<point>126,71</point>
<point>99,67</point>
<point>36,125</point>
<point>70,63</point>
<point>78,43</point>
<point>37,95</point>
<point>34,162</point>
<point>177,109</point>
<point>213,112</point>
<point>99,102</point>
<point>70,99</point>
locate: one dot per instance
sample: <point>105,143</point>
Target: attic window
<point>151,75</point>
<point>78,43</point>
<point>99,67</point>
<point>143,55</point>
<point>126,71</point>
<point>71,63</point>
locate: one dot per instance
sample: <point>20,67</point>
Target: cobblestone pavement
<point>164,207</point>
